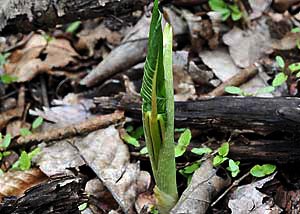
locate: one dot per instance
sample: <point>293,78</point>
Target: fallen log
<point>27,15</point>
<point>254,114</point>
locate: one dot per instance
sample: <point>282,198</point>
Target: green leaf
<point>24,161</point>
<point>6,141</point>
<point>144,151</point>
<point>73,27</point>
<point>190,169</point>
<point>201,151</point>
<point>6,153</point>
<point>262,171</point>
<point>280,61</point>
<point>279,79</point>
<point>130,140</point>
<point>183,142</point>
<point>7,79</point>
<point>138,132</point>
<point>34,152</point>
<point>225,14</point>
<point>233,90</point>
<point>217,5</point>
<point>218,160</point>
<point>294,67</point>
<point>37,122</point>
<point>295,30</point>
<point>25,132</point>
<point>233,167</point>
<point>298,74</point>
<point>1,155</point>
<point>265,90</point>
<point>3,58</point>
<point>82,206</point>
<point>224,149</point>
<point>236,13</point>
<point>153,86</point>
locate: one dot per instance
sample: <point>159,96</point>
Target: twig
<point>234,184</point>
<point>90,125</point>
<point>237,80</point>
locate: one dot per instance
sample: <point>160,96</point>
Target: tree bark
<point>262,115</point>
<point>27,15</point>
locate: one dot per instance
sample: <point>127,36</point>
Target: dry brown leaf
<point>288,42</point>
<point>59,53</point>
<point>58,158</point>
<point>26,63</point>
<point>247,199</point>
<point>220,62</point>
<point>89,37</point>
<point>107,155</point>
<point>109,158</point>
<point>204,186</point>
<point>15,183</point>
<point>247,46</point>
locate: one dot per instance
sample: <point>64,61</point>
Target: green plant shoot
<point>158,111</point>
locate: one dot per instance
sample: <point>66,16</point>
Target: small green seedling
<point>188,171</point>
<point>73,27</point>
<point>201,151</point>
<point>5,142</point>
<point>260,171</point>
<point>144,151</point>
<point>24,161</point>
<point>233,167</point>
<point>36,123</point>
<point>279,79</point>
<point>183,142</point>
<point>222,154</point>
<point>296,30</point>
<point>82,206</point>
<point>5,78</point>
<point>226,10</point>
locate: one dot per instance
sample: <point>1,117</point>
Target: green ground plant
<point>158,111</point>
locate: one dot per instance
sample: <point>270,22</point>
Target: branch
<point>27,15</point>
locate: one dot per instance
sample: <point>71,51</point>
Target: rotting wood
<point>27,15</point>
<point>254,114</point>
<point>90,125</point>
<point>61,194</point>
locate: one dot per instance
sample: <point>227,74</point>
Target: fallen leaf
<point>58,158</point>
<point>109,157</point>
<point>220,62</point>
<point>247,199</point>
<point>90,36</point>
<point>15,183</point>
<point>247,46</point>
<point>288,42</point>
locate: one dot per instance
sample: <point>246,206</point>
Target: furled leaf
<point>153,85</point>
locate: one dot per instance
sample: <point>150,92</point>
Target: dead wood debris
<point>90,125</point>
<point>237,80</point>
